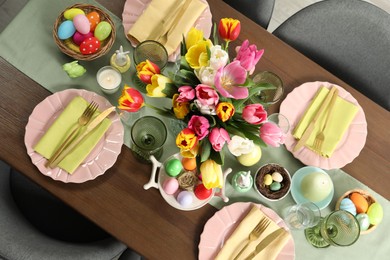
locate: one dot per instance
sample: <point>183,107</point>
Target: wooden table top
<point>117,202</point>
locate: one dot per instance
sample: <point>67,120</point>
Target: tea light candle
<point>109,79</point>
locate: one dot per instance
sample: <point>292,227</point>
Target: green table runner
<point>27,43</point>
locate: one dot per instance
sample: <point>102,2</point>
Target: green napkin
<point>339,120</point>
<point>59,130</point>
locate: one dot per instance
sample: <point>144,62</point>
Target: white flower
<point>239,145</point>
<point>218,57</point>
<point>205,109</point>
<point>206,75</point>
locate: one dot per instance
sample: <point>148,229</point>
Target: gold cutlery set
<point>326,107</point>
<point>75,138</point>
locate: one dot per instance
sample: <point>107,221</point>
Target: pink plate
<point>219,228</point>
<point>134,8</point>
<point>294,106</point>
<point>102,157</point>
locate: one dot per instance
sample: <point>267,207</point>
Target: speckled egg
<point>364,221</point>
<point>267,179</point>
<point>375,213</point>
<point>276,176</point>
<point>173,167</point>
<point>72,12</point>
<point>347,205</point>
<point>89,45</point>
<point>102,30</point>
<point>81,23</point>
<point>66,30</point>
<point>201,192</point>
<point>360,202</point>
<point>185,198</point>
<point>94,20</point>
<point>170,186</point>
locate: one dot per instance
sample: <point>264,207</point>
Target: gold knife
<point>265,242</point>
<point>94,123</point>
<point>306,134</point>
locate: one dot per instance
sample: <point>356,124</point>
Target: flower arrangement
<point>211,93</point>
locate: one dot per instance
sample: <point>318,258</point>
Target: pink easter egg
<point>78,38</point>
<point>81,23</point>
<point>90,45</point>
<point>170,186</point>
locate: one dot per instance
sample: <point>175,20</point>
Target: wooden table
<point>117,202</point>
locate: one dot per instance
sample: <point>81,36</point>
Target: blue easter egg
<point>66,30</point>
<point>347,205</point>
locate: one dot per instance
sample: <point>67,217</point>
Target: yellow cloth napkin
<point>170,18</point>
<point>239,238</point>
<point>339,120</point>
<point>59,130</point>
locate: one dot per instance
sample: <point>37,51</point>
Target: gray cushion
<point>349,38</point>
<point>260,11</point>
<point>20,240</point>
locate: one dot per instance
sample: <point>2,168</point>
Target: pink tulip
<point>206,95</point>
<point>271,134</point>
<point>228,79</point>
<point>254,114</point>
<point>187,93</point>
<point>218,137</point>
<point>248,56</point>
<point>200,125</point>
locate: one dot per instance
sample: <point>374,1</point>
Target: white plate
<point>220,227</point>
<point>102,157</point>
<point>349,147</point>
<point>296,187</point>
<point>134,8</point>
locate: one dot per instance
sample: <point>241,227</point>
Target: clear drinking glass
<point>339,228</point>
<point>151,50</point>
<point>281,121</point>
<point>148,135</point>
<point>303,215</point>
<point>268,96</point>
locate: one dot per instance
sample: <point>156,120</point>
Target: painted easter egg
<point>173,167</point>
<point>102,30</point>
<point>375,213</point>
<point>347,205</point>
<point>185,198</point>
<point>94,20</point>
<point>170,186</point>
<point>66,30</point>
<point>360,202</point>
<point>89,45</point>
<point>78,37</point>
<point>201,192</point>
<point>81,23</point>
<point>364,221</point>
<point>72,12</point>
<point>71,45</point>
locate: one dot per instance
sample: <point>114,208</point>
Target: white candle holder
<point>109,79</point>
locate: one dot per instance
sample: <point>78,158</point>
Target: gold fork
<point>320,137</point>
<point>82,121</point>
<point>255,234</point>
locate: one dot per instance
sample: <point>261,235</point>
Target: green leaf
<point>205,150</point>
<point>218,157</point>
<point>170,89</point>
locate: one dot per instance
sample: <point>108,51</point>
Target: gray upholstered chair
<point>260,11</point>
<point>349,38</point>
<point>20,235</point>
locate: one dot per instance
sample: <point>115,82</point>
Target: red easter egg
<point>94,19</point>
<point>78,37</point>
<point>90,45</point>
<point>201,192</point>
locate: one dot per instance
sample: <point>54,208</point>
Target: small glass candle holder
<point>151,50</point>
<point>268,96</point>
<point>109,79</point>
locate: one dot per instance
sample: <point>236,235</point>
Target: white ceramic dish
<point>102,157</point>
<point>171,199</point>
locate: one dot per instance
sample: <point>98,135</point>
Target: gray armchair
<point>349,38</point>
<point>260,11</point>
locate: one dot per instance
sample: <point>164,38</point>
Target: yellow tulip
<point>155,89</point>
<point>212,176</point>
<point>197,56</point>
<point>181,109</point>
<point>186,139</point>
<point>193,37</point>
<point>225,111</point>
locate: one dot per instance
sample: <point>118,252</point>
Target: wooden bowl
<point>370,199</point>
<point>105,45</point>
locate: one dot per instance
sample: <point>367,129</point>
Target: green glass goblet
<point>339,228</point>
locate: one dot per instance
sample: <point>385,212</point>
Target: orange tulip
<point>229,29</point>
<point>131,100</point>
